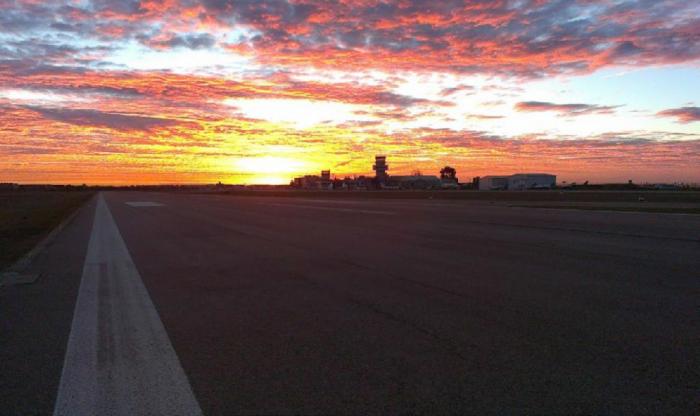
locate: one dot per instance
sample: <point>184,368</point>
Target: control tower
<point>380,167</point>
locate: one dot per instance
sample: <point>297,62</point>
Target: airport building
<point>417,181</point>
<point>385,181</point>
<point>413,182</point>
<point>517,182</point>
<point>314,181</point>
<point>380,167</point>
<point>492,183</point>
<point>381,180</point>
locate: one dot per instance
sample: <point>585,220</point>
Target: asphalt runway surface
<point>249,305</point>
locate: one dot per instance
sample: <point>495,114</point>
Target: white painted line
<point>139,204</point>
<point>119,359</point>
<point>360,211</point>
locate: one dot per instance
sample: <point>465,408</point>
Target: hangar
<point>518,182</point>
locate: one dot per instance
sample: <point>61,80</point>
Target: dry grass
<point>27,216</point>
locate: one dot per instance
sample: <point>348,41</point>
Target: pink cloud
<point>682,114</point>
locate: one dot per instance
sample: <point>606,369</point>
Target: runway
<point>291,305</point>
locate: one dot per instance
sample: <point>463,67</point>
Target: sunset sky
<point>180,91</point>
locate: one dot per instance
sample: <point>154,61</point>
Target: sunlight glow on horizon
<point>266,165</point>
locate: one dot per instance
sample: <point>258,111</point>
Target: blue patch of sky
<point>648,89</point>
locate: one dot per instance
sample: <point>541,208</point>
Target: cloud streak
<point>682,114</point>
<point>569,110</point>
<point>95,118</point>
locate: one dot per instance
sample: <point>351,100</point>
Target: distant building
<point>325,182</point>
<point>449,184</point>
<point>518,182</point>
<point>523,181</point>
<point>380,168</point>
<point>414,182</point>
<point>314,181</point>
<point>357,183</point>
<point>446,180</point>
<point>493,183</point>
<point>448,177</point>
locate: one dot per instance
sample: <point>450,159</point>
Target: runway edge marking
<point>119,359</point>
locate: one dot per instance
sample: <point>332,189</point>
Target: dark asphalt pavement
<point>278,305</point>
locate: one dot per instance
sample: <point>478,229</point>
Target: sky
<point>260,91</point>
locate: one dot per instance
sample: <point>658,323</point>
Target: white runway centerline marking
<point>140,204</point>
<point>119,359</point>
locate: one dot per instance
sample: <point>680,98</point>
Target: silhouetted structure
<point>447,180</point>
<point>519,181</point>
<point>313,181</point>
<point>493,183</point>
<point>325,182</point>
<point>356,183</point>
<point>413,182</point>
<point>448,177</point>
<point>380,167</point>
<point>448,173</point>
